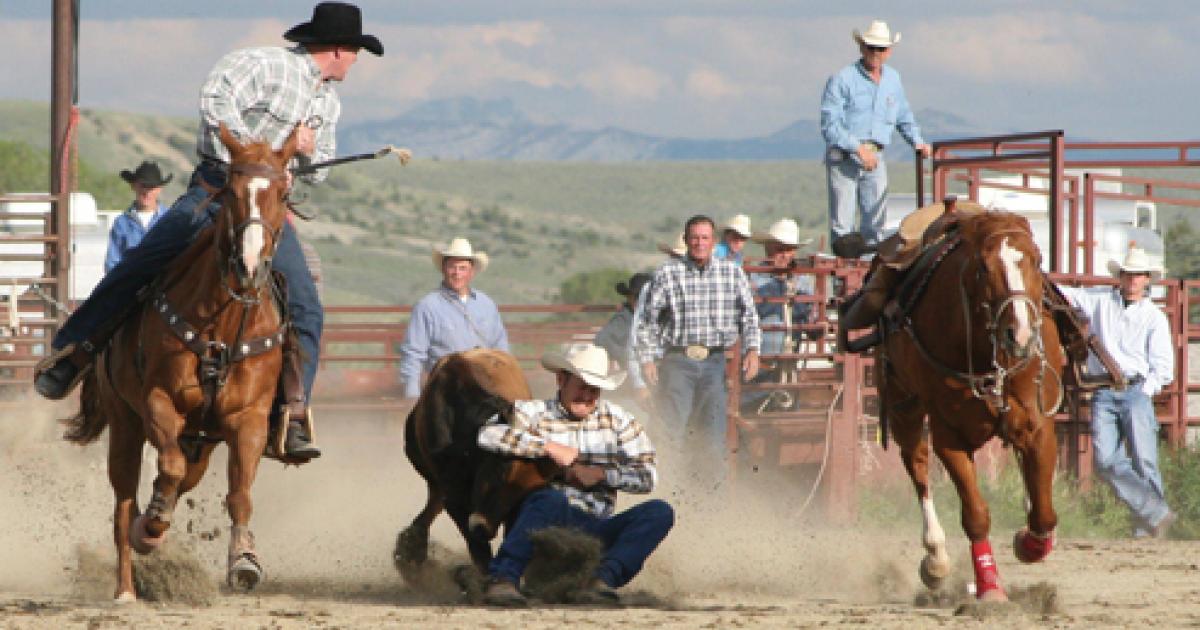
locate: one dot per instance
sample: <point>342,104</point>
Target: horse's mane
<point>977,228</point>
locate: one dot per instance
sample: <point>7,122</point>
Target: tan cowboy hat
<point>460,248</point>
<point>877,34</point>
<point>785,231</point>
<point>678,250</point>
<point>587,361</point>
<point>1136,261</point>
<point>740,223</point>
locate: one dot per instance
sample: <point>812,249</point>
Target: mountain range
<point>474,129</point>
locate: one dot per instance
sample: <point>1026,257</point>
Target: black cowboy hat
<point>334,23</point>
<point>635,284</point>
<point>147,174</point>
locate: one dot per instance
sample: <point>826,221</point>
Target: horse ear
<point>229,140</point>
<point>289,147</point>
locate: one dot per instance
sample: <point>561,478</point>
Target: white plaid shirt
<point>609,437</point>
<point>261,94</point>
<point>708,307</point>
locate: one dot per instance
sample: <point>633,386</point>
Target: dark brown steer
<point>479,490</point>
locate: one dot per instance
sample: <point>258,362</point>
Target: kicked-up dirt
<point>739,556</point>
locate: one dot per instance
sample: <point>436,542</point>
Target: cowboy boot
<point>863,309</point>
<point>298,441</point>
<point>56,375</point>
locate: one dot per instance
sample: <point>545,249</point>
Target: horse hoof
<point>244,573</point>
<point>412,548</point>
<point>1030,547</point>
<point>141,540</point>
<point>124,598</point>
<point>933,572</point>
<point>994,595</point>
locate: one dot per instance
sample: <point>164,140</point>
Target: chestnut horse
<point>972,350</point>
<point>478,489</point>
<point>196,365</point>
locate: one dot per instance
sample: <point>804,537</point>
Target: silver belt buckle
<point>696,353</point>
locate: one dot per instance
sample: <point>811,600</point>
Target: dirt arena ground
<point>326,531</point>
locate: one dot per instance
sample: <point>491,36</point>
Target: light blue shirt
<point>442,323</point>
<point>722,251</point>
<point>1137,336</point>
<point>855,109</point>
<point>127,231</point>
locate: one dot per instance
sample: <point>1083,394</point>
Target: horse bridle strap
<point>192,338</point>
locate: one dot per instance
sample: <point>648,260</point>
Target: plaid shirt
<point>262,93</point>
<point>708,307</point>
<point>608,437</point>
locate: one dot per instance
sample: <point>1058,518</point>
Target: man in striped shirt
<point>602,449</point>
<point>709,304</point>
<point>257,93</point>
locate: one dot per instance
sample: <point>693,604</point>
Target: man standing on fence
<point>710,305</point>
<point>1124,427</point>
<point>861,107</point>
<point>452,318</point>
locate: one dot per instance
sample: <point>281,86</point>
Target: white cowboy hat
<point>785,231</point>
<point>460,248</point>
<point>587,361</point>
<point>1136,261</point>
<point>877,34</point>
<point>678,250</point>
<point>740,223</point>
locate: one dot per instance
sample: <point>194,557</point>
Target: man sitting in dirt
<point>602,449</point>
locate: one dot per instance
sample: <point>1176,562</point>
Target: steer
<point>479,490</point>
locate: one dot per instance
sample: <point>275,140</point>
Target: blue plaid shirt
<point>708,307</point>
<point>127,231</point>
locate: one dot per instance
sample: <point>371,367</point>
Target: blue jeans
<point>856,193</point>
<point>693,399</point>
<point>628,538</point>
<point>1128,417</point>
<point>171,235</point>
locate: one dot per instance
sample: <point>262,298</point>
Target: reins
<point>989,385</point>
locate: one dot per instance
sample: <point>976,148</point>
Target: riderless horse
<point>969,345</point>
<point>197,365</point>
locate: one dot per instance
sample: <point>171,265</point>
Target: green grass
<point>1091,513</point>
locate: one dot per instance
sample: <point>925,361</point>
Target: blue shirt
<point>722,251</point>
<point>442,324</point>
<point>855,109</point>
<point>769,286</point>
<point>127,231</point>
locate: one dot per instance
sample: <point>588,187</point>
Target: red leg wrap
<point>987,578</point>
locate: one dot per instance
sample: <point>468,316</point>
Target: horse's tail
<point>86,425</point>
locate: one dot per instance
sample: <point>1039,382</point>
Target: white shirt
<point>1137,336</point>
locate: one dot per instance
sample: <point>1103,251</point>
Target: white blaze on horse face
<point>252,238</point>
<point>1010,256</point>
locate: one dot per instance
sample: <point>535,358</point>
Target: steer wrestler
<point>602,449</point>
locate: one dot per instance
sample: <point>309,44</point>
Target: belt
<point>1135,380</point>
<point>697,353</point>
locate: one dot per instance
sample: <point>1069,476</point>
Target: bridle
<point>989,386</point>
<point>248,290</point>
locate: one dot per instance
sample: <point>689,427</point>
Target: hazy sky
<point>1102,69</point>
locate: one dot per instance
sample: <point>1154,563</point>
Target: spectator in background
<point>1124,426</point>
<point>862,106</point>
<point>130,226</point>
<point>734,235</point>
<point>452,318</point>
<point>709,306</point>
<point>780,244</point>
<point>617,335</point>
